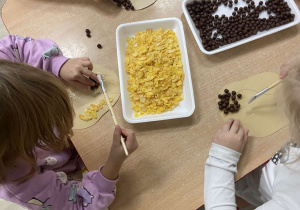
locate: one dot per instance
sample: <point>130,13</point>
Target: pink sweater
<point>51,187</point>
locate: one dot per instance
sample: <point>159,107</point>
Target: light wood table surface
<point>166,172</point>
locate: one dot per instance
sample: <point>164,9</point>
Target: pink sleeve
<point>40,53</point>
<point>45,190</point>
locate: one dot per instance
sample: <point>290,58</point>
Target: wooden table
<point>166,172</point>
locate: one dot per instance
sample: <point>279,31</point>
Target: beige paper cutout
<point>141,4</point>
<point>262,117</point>
<point>82,99</point>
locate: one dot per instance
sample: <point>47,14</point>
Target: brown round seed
<point>239,95</point>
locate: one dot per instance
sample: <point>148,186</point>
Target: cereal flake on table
<point>153,63</point>
<point>91,110</point>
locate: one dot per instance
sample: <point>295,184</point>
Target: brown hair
<point>290,99</point>
<point>35,111</point>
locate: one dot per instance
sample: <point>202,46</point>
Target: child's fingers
<point>241,132</point>
<point>85,58</point>
<point>130,139</point>
<point>90,74</point>
<point>235,126</point>
<point>79,84</point>
<point>84,80</point>
<point>284,72</point>
<point>227,125</point>
<point>127,132</point>
<point>87,63</point>
<point>246,132</point>
<point>117,134</point>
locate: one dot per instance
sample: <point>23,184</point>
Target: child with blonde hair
<point>36,120</point>
<point>273,186</point>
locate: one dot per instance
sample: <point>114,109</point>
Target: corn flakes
<point>91,111</point>
<point>153,63</point>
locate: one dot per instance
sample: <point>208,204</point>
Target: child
<point>273,186</point>
<point>36,120</point>
<point>45,54</point>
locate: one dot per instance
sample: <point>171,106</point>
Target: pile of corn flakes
<point>153,63</point>
<point>91,111</point>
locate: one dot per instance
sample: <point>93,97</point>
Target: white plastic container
<point>187,105</point>
<point>228,12</point>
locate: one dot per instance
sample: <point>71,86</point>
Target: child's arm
<point>117,155</point>
<point>95,191</point>
<point>45,54</point>
<point>219,189</point>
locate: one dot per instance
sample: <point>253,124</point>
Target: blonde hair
<point>290,96</point>
<point>35,112</point>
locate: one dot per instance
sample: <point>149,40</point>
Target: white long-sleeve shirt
<point>274,186</point>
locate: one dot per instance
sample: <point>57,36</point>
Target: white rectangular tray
<point>187,105</point>
<point>228,12</point>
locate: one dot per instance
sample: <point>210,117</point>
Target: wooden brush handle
<point>274,84</point>
<point>115,121</point>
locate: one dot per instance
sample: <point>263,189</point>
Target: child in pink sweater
<point>36,120</point>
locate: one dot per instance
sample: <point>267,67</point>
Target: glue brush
<point>264,91</point>
<point>111,111</point>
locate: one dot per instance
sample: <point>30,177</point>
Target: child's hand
<point>232,136</point>
<point>293,63</point>
<point>76,71</point>
<point>117,155</point>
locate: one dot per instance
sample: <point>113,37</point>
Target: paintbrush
<point>264,91</point>
<point>111,111</point>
